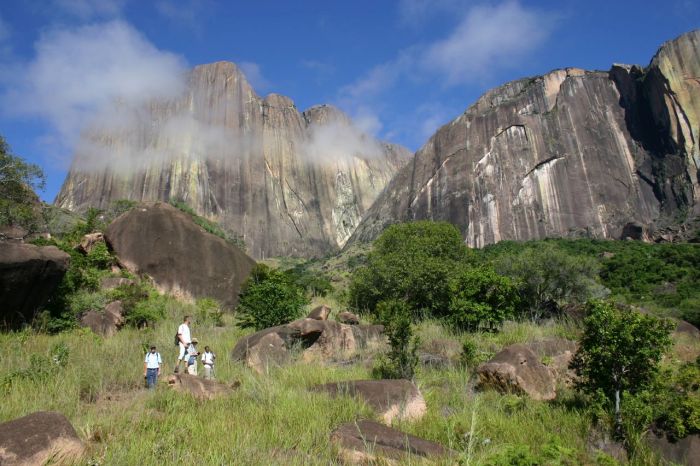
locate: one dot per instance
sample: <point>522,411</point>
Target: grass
<point>272,418</point>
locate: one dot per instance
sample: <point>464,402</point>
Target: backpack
<point>192,360</point>
<point>177,340</point>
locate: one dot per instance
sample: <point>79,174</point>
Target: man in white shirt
<point>208,362</point>
<point>151,367</point>
<point>184,340</point>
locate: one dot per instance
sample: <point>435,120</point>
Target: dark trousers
<point>151,378</point>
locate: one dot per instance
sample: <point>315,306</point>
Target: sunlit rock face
<point>570,153</point>
<point>289,183</point>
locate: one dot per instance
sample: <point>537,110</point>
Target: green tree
<point>401,360</point>
<point>480,298</point>
<point>549,278</point>
<point>18,179</point>
<point>619,353</point>
<point>411,262</point>
<point>269,298</point>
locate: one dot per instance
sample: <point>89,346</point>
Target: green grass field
<point>272,418</point>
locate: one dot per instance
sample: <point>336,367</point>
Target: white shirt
<point>192,350</point>
<point>152,360</point>
<point>184,331</point>
<point>208,358</point>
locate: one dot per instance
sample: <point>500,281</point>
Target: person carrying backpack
<point>208,361</point>
<point>151,367</point>
<point>182,340</point>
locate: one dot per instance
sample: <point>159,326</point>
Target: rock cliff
<point>570,153</point>
<point>289,183</point>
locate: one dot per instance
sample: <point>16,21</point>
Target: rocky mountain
<point>289,183</point>
<point>570,153</point>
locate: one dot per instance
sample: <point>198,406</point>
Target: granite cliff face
<point>570,153</point>
<point>289,183</point>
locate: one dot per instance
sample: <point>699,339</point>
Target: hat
<point>194,340</point>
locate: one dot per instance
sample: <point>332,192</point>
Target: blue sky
<point>399,68</point>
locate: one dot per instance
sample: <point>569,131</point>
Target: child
<point>192,354</point>
<point>208,361</point>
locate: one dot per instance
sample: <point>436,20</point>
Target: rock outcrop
<point>368,442</point>
<point>289,183</point>
<point>517,369</point>
<point>319,340</point>
<point>570,153</point>
<point>200,388</point>
<point>391,399</point>
<point>105,322</point>
<point>44,437</point>
<point>685,451</point>
<point>28,276</point>
<point>181,258</point>
<point>319,313</point>
<point>348,318</point>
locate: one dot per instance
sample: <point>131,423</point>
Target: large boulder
<point>685,451</point>
<point>517,369</point>
<point>105,322</point>
<point>28,276</point>
<point>320,313</point>
<point>318,339</point>
<point>39,438</point>
<point>164,243</point>
<point>89,241</point>
<point>391,399</point>
<point>111,283</point>
<point>369,442</point>
<point>200,388</point>
<point>556,354</point>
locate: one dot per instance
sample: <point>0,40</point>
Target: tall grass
<point>271,418</point>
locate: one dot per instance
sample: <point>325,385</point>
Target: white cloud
<point>488,37</point>
<point>253,73</point>
<point>339,141</point>
<point>89,9</point>
<point>76,74</point>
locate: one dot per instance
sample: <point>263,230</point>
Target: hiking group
<point>188,353</point>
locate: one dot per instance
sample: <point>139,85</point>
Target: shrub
<point>148,311</point>
<point>548,278</point>
<point>209,312</point>
<point>469,355</point>
<point>269,298</point>
<point>411,262</point>
<point>17,180</point>
<point>401,360</point>
<point>480,298</point>
<point>619,353</point>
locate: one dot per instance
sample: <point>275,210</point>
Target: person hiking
<point>192,354</point>
<point>183,340</point>
<point>151,367</point>
<point>208,362</point>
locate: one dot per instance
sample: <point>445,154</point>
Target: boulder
<point>164,243</point>
<point>368,442</point>
<point>39,438</point>
<point>110,283</point>
<point>439,352</point>
<point>686,328</point>
<point>348,318</point>
<point>685,451</point>
<point>89,241</point>
<point>318,339</point>
<point>391,399</point>
<point>557,353</point>
<point>200,388</point>
<point>12,233</point>
<point>28,276</point>
<point>319,313</point>
<point>517,369</point>
<point>105,322</point>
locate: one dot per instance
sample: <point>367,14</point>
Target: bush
<point>548,278</point>
<point>480,298</point>
<point>619,353</point>
<point>18,203</point>
<point>146,312</point>
<point>401,360</point>
<point>209,312</point>
<point>411,262</point>
<point>269,298</point>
